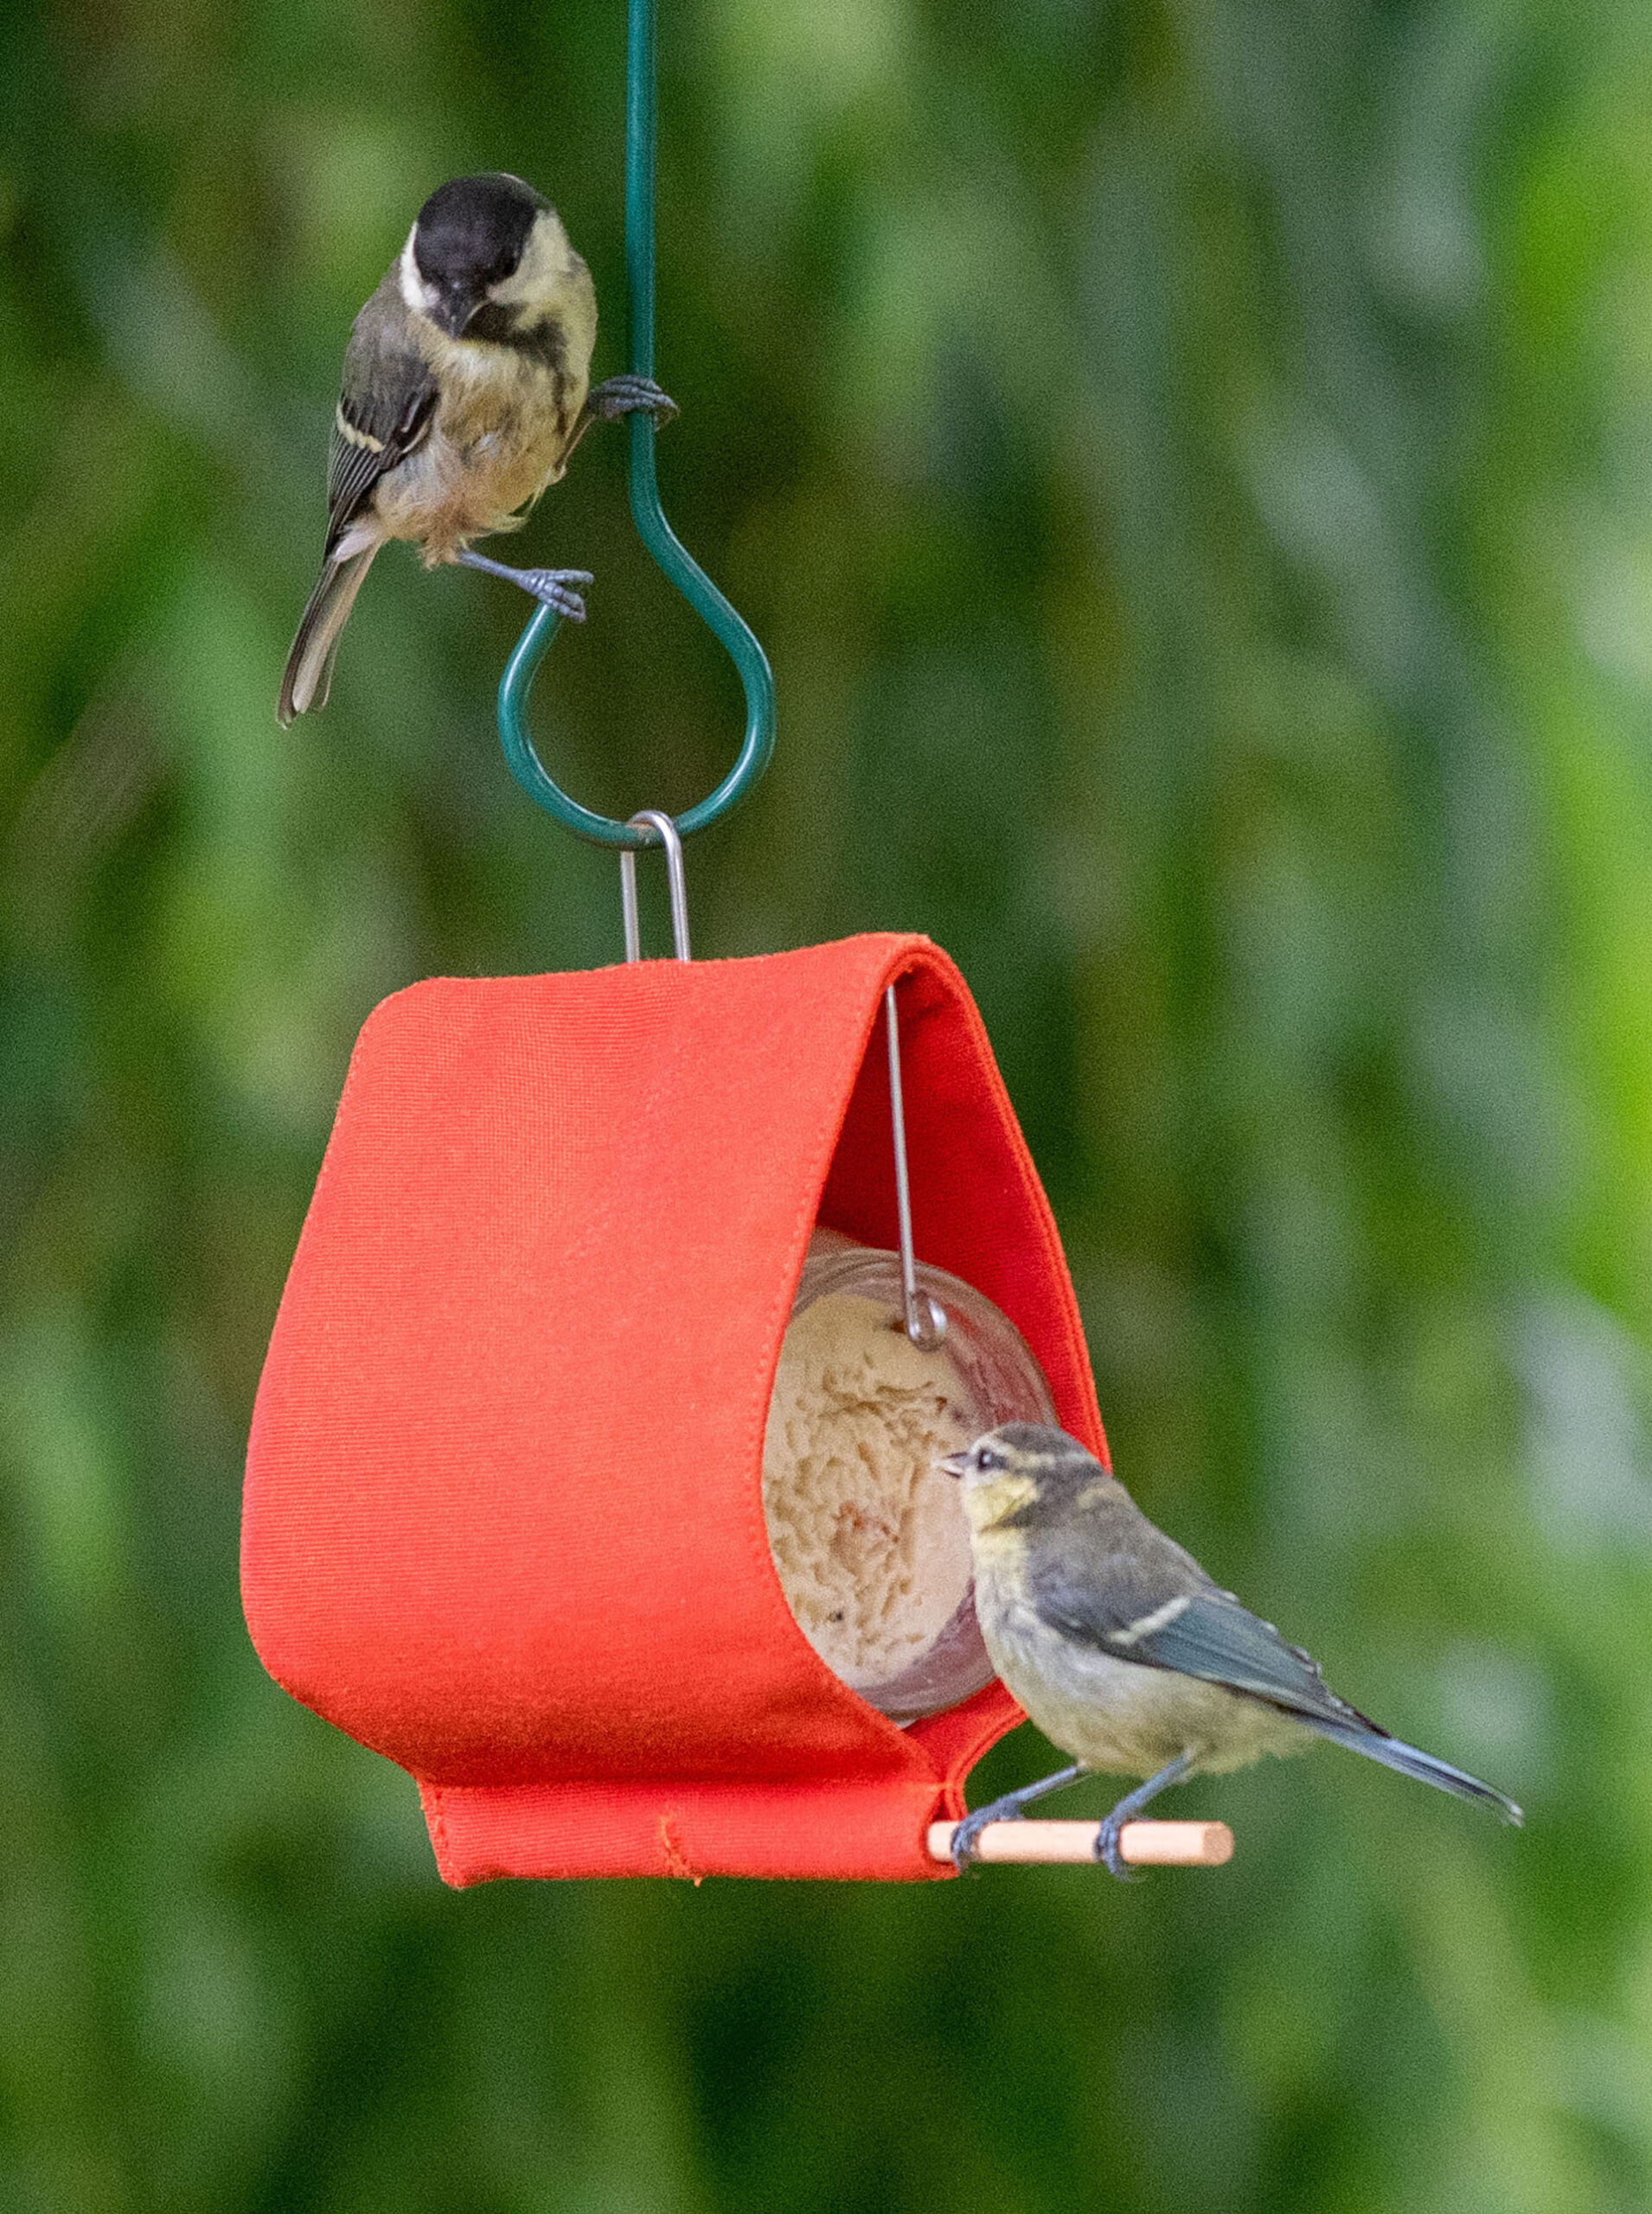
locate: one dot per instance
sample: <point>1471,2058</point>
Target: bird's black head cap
<point>471,231</point>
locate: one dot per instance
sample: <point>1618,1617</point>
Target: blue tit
<point>466,388</point>
<point>1124,1653</point>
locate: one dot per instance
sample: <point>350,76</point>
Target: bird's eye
<point>988,1458</point>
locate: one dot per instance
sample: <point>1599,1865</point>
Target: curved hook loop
<point>657,533</point>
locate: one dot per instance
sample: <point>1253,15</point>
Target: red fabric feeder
<point>504,1515</point>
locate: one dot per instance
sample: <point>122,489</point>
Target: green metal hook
<point>657,533</point>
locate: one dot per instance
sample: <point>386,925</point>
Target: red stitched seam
<point>677,1861</point>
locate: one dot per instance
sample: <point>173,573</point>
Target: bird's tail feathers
<point>1377,1745</point>
<point>309,671</point>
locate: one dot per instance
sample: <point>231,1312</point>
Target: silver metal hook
<point>651,818</point>
<point>925,1317</point>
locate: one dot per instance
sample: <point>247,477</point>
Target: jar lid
<point>867,1532</point>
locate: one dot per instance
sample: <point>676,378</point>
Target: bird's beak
<point>954,1463</point>
<point>453,309</point>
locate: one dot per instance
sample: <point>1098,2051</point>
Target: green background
<point>1190,466</point>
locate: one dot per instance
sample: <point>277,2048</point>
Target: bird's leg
<point>618,396</point>
<point>1107,1850</point>
<point>629,396</point>
<point>1007,1810</point>
<point>550,587</point>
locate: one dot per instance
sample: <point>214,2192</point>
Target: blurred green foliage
<point>1189,462</point>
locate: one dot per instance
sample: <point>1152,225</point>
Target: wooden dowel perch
<point>1147,1844</point>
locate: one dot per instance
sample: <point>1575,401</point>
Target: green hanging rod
<point>657,533</point>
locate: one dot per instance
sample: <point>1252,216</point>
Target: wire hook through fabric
<point>925,1317</point>
<point>651,818</point>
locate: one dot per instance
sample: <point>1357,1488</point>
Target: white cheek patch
<point>542,270</point>
<point>419,297</point>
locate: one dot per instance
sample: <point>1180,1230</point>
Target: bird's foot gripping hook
<point>630,396</point>
<point>553,588</point>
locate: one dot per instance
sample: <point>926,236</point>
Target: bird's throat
<point>989,1505</point>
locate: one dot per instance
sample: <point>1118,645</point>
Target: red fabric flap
<point>503,1517</point>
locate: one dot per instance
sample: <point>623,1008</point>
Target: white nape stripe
<point>356,437</point>
<point>1161,1618</point>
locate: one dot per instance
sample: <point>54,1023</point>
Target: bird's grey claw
<point>964,1837</point>
<point>1110,1856</point>
<point>555,588</point>
<point>630,396</point>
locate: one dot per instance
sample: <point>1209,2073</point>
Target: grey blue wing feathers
<point>1163,1612</point>
<point>1215,1638</point>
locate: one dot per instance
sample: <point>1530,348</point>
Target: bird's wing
<point>384,414</point>
<point>1202,1632</point>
